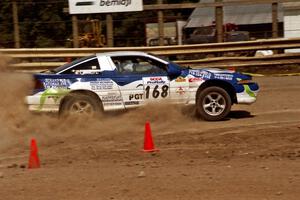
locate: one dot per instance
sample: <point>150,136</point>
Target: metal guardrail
<point>260,61</point>
<point>44,58</point>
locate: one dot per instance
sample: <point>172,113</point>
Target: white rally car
<point>122,80</point>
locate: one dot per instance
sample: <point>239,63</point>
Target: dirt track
<point>255,154</point>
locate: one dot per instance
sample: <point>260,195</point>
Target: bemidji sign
<point>104,6</point>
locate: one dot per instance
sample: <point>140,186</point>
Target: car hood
<point>220,74</point>
<point>218,71</point>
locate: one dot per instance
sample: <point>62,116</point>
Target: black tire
<point>81,105</point>
<point>213,104</point>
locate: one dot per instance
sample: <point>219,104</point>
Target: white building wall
<point>292,26</point>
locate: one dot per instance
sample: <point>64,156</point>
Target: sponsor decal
<point>135,96</point>
<point>156,87</point>
<point>195,79</point>
<point>180,79</point>
<point>249,91</point>
<point>55,98</point>
<point>155,80</point>
<point>102,84</point>
<point>227,77</point>
<point>104,6</point>
<point>56,83</point>
<point>85,71</point>
<point>139,85</point>
<point>201,74</point>
<point>129,103</point>
<point>111,98</point>
<point>115,2</point>
<point>51,93</point>
<point>112,103</point>
<point>180,91</point>
<point>85,3</point>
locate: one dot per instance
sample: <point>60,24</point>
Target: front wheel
<point>213,104</point>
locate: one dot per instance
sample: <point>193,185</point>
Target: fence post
<point>160,16</point>
<point>109,30</point>
<point>219,21</point>
<point>75,31</point>
<point>16,24</point>
<point>275,20</point>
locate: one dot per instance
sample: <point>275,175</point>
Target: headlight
<point>245,82</point>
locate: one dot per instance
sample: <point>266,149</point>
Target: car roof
<point>108,54</point>
<point>123,53</point>
<point>132,53</point>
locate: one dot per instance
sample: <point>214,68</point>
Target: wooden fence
<point>39,59</point>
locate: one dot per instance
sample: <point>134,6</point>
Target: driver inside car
<point>128,66</point>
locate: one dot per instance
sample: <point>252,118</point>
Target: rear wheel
<point>80,105</point>
<point>213,104</point>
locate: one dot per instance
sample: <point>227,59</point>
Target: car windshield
<point>68,65</point>
<point>170,62</point>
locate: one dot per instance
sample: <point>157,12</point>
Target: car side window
<point>138,65</point>
<point>88,67</point>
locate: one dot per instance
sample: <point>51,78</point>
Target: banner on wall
<point>104,6</point>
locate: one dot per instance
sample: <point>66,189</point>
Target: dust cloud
<point>13,113</point>
<point>18,125</point>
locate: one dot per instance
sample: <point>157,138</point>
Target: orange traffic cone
<point>148,141</point>
<point>34,161</point>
